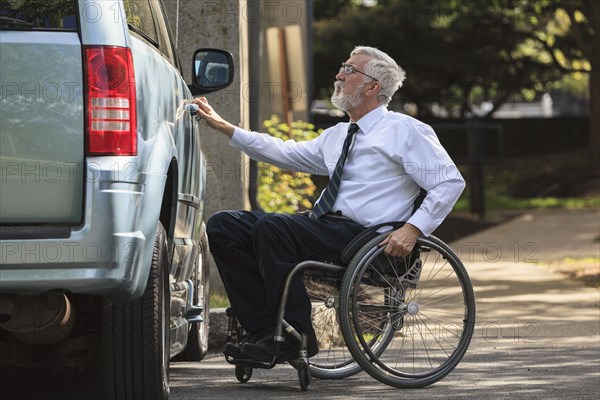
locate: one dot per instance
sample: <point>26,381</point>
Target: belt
<point>337,216</point>
<point>331,216</point>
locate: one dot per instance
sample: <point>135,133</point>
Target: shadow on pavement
<point>45,383</point>
<point>500,371</point>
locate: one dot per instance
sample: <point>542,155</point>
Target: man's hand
<point>213,119</point>
<point>401,242</point>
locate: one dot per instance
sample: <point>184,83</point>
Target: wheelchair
<point>406,321</point>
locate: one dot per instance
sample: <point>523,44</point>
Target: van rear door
<point>41,114</point>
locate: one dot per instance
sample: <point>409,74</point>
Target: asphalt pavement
<point>537,334</point>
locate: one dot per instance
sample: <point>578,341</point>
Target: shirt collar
<point>371,118</point>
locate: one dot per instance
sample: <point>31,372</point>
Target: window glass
<point>38,14</point>
<point>163,32</point>
<point>140,16</point>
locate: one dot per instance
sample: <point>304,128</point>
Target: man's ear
<point>373,90</point>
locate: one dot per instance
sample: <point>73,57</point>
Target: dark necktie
<point>324,204</point>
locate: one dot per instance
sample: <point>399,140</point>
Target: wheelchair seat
<point>365,237</point>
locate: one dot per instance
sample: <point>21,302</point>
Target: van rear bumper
<point>110,254</point>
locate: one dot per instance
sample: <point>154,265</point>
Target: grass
<point>218,299</point>
<point>546,181</point>
<point>499,195</point>
<point>504,202</point>
<point>583,270</point>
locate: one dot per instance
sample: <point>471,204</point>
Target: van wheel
<point>134,337</point>
<point>197,344</point>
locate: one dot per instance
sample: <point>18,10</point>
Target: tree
<point>572,49</point>
<point>595,89</point>
<point>330,9</point>
<point>461,54</point>
<point>569,39</point>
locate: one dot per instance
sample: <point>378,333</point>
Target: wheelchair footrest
<point>243,362</point>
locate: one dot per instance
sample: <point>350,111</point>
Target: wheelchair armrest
<point>355,245</point>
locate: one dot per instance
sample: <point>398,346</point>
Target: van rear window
<point>38,14</point>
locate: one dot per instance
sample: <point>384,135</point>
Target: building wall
<point>240,26</point>
<point>293,19</point>
<point>217,24</point>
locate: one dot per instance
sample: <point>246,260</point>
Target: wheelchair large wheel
<point>426,298</point>
<point>333,360</point>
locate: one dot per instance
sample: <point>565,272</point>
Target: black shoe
<point>235,349</point>
<point>232,349</point>
<point>289,349</point>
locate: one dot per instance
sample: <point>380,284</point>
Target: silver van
<point>103,251</point>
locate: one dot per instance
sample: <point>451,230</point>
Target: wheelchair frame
<point>381,307</point>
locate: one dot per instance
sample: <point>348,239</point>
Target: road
<point>537,334</point>
<point>537,337</point>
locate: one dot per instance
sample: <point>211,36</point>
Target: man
<point>377,167</point>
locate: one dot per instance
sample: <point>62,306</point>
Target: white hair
<point>384,68</point>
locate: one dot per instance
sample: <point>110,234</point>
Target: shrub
<point>285,191</point>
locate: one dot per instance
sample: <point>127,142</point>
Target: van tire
<point>134,337</point>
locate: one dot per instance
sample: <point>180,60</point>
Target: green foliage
<point>330,9</point>
<point>41,13</point>
<point>218,298</point>
<point>462,53</point>
<point>285,191</point>
<point>496,198</point>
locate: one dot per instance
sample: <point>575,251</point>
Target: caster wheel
<point>304,376</point>
<point>243,374</point>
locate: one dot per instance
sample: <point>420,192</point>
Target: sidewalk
<point>536,236</point>
<point>538,330</point>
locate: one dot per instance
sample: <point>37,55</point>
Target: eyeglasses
<point>348,69</point>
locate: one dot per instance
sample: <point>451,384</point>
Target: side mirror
<point>212,70</point>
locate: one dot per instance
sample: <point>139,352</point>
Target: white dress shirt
<point>392,156</point>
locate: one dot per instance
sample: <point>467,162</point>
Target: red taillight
<point>110,103</point>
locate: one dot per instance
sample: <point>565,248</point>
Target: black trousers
<point>254,251</point>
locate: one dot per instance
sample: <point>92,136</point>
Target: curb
<point>217,331</point>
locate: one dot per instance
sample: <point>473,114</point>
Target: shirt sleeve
<point>430,166</point>
<point>306,156</point>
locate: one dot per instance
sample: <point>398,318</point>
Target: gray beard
<point>346,102</point>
